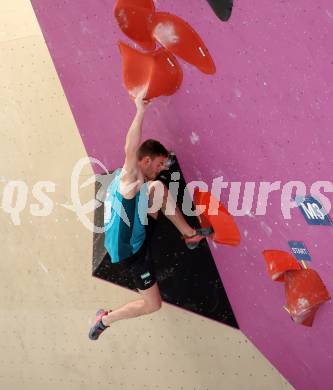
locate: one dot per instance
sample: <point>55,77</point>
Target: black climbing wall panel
<point>188,279</point>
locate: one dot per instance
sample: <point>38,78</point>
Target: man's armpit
<point>129,188</point>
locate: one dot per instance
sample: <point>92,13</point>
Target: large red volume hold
<point>177,36</point>
<point>215,215</point>
<point>158,72</point>
<point>278,262</point>
<point>305,292</point>
<point>135,20</point>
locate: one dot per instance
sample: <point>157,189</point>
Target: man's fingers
<point>142,92</point>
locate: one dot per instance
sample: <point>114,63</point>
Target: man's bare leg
<point>151,301</point>
<point>151,298</point>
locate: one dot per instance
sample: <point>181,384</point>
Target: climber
<point>135,193</point>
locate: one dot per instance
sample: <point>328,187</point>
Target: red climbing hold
<point>305,292</point>
<point>215,215</point>
<point>177,36</point>
<point>135,20</point>
<point>278,262</point>
<point>158,72</point>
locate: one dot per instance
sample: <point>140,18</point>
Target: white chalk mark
<point>238,92</point>
<point>122,19</point>
<point>194,138</point>
<point>302,303</point>
<point>165,34</point>
<point>329,14</point>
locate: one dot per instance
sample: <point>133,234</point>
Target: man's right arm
<point>133,139</point>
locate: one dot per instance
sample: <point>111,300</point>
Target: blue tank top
<point>124,221</point>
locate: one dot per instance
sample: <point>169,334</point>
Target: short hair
<point>151,148</point>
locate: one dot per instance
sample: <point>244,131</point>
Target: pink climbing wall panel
<point>266,115</point>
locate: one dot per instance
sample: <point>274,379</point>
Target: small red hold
<point>278,262</point>
<point>305,293</point>
<point>217,216</point>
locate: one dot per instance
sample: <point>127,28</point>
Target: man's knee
<point>151,307</point>
<point>152,298</point>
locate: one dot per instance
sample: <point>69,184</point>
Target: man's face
<point>152,167</point>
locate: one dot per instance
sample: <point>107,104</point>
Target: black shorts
<point>140,266</point>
